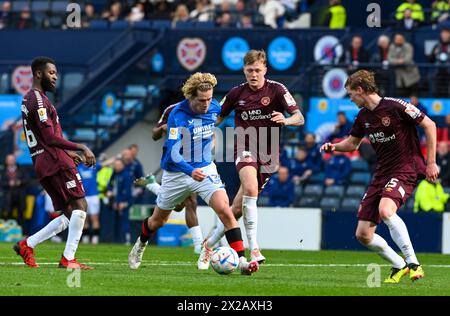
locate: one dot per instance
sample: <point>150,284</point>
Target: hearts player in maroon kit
<point>54,161</point>
<point>259,104</point>
<point>391,126</point>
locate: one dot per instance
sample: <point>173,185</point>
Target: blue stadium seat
<point>142,25</point>
<point>162,24</point>
<point>98,24</point>
<point>317,178</point>
<point>59,6</point>
<point>308,201</point>
<point>360,178</point>
<point>119,25</point>
<point>311,190</point>
<point>184,24</point>
<point>328,203</point>
<point>360,165</point>
<point>40,6</point>
<point>205,25</point>
<point>263,200</point>
<point>334,191</point>
<point>71,81</point>
<point>17,6</point>
<point>350,204</point>
<point>356,191</point>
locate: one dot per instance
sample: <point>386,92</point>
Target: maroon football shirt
<point>254,109</point>
<point>41,126</point>
<point>391,128</point>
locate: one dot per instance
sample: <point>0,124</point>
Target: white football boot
<point>257,256</point>
<point>205,256</point>
<point>135,256</point>
<point>248,268</point>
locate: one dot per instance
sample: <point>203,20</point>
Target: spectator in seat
<point>440,55</point>
<point>203,11</point>
<point>337,15</point>
<point>181,14</point>
<point>355,54</point>
<point>299,167</point>
<point>137,13</point>
<point>337,169</point>
<point>430,197</point>
<point>401,56</point>
<point>313,154</point>
<point>439,11</point>
<point>381,57</point>
<point>5,15</point>
<point>245,22</point>
<point>14,181</point>
<point>342,128</point>
<point>408,23</point>
<point>443,161</point>
<point>281,189</point>
<point>272,11</point>
<point>162,11</point>
<point>415,8</point>
<point>88,15</point>
<point>25,20</point>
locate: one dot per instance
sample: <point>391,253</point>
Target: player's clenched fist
<point>198,174</point>
<point>327,147</point>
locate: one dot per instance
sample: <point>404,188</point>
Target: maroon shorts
<point>397,188</point>
<point>264,171</point>
<point>63,187</point>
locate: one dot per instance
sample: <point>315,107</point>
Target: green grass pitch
<point>172,271</point>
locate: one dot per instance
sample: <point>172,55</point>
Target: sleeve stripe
<point>39,99</point>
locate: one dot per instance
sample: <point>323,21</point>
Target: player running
<point>391,126</point>
<point>188,168</point>
<point>190,204</point>
<point>259,104</point>
<point>54,164</point>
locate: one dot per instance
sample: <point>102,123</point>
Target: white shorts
<point>93,205</point>
<point>177,186</point>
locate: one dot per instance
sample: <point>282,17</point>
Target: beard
<point>46,84</point>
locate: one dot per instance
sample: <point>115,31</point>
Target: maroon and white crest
<point>386,121</point>
<point>191,53</point>
<point>265,101</point>
<point>22,79</point>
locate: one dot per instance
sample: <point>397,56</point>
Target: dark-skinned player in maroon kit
<point>54,161</point>
<point>391,126</point>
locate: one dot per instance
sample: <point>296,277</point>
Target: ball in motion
<point>224,260</point>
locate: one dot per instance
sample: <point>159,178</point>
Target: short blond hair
<point>198,82</point>
<point>254,56</point>
<point>364,79</point>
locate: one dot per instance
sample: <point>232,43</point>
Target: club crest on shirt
<point>265,101</point>
<point>386,121</point>
<point>367,125</point>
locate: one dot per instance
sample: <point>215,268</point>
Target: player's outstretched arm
<point>429,127</point>
<point>296,119</point>
<point>351,143</point>
<point>158,132</point>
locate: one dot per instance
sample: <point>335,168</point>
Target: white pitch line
<point>167,263</point>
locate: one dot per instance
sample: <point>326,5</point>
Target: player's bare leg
<point>219,203</point>
<point>25,247</point>
<point>192,222</point>
<point>400,235</point>
<point>150,226</point>
<point>365,233</point>
<point>76,212</point>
